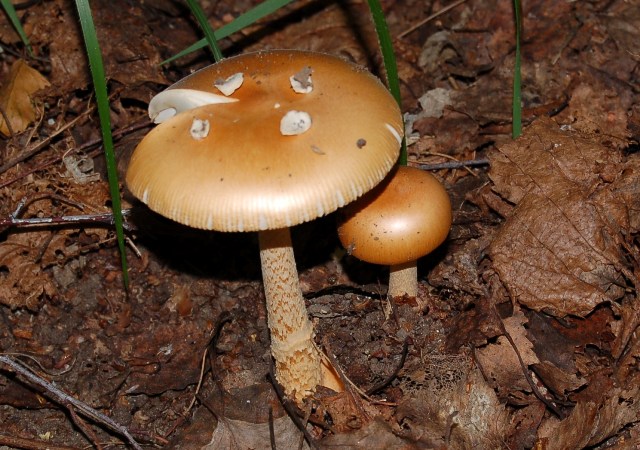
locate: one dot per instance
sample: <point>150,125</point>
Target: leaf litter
<point>524,331</point>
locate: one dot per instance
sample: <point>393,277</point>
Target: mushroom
<point>404,218</point>
<point>246,175</point>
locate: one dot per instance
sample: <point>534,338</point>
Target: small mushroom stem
<point>403,279</point>
<point>297,360</point>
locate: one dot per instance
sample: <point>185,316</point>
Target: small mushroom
<point>244,175</point>
<point>404,218</point>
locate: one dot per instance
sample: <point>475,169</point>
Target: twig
<point>414,27</point>
<point>452,164</point>
<point>84,428</point>
<point>105,219</point>
<point>376,387</point>
<point>116,135</point>
<point>6,120</point>
<point>64,399</point>
<point>272,431</point>
<point>223,318</point>
<point>525,372</point>
<point>40,145</point>
<point>290,409</point>
<point>31,444</point>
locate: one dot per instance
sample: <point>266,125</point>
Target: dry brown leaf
<point>16,97</point>
<point>465,414</point>
<point>500,362</point>
<point>240,435</point>
<point>376,435</point>
<point>22,280</point>
<point>591,422</point>
<point>560,248</point>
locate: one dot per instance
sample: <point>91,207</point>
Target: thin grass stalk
<point>208,31</point>
<point>100,88</point>
<point>244,20</point>
<point>389,61</point>
<point>517,76</point>
<point>11,13</point>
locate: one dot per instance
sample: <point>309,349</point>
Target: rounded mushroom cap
<point>404,218</point>
<point>230,166</point>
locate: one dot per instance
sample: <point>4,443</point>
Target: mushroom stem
<point>403,279</point>
<point>297,360</point>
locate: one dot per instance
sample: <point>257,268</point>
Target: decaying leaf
<point>15,97</point>
<point>591,422</point>
<point>22,280</point>
<point>376,435</point>
<point>452,406</point>
<point>499,360</point>
<point>240,435</point>
<point>560,248</point>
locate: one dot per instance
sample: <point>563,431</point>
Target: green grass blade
<point>517,76</point>
<point>389,60</point>
<point>102,99</point>
<point>209,34</point>
<point>244,20</point>
<point>15,22</point>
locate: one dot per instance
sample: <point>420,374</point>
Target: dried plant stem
<point>31,444</point>
<point>105,219</point>
<point>71,403</point>
<point>452,164</point>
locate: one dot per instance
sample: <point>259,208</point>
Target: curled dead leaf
<point>560,249</point>
<point>16,97</point>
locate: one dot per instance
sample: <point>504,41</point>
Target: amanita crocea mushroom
<point>262,142</point>
<point>404,218</point>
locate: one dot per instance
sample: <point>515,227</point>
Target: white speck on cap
<point>294,123</point>
<point>231,84</point>
<point>199,129</point>
<point>394,132</point>
<point>301,81</point>
<point>172,101</point>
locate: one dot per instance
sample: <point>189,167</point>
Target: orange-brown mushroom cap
<point>238,172</point>
<point>404,218</point>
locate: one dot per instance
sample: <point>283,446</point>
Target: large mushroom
<point>401,220</point>
<point>262,142</point>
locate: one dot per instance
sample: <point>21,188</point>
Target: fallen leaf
<point>499,360</point>
<point>22,280</point>
<point>560,249</point>
<point>591,422</point>
<point>16,97</point>
<point>240,435</point>
<point>376,435</point>
<point>462,412</point>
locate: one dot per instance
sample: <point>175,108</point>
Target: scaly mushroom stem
<point>403,279</point>
<point>297,361</point>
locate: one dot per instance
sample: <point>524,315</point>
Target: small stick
<point>31,444</point>
<point>290,409</point>
<point>40,145</point>
<point>95,219</point>
<point>84,428</point>
<point>272,431</point>
<point>66,400</point>
<point>452,164</point>
<point>116,135</point>
<point>378,386</point>
<point>430,18</point>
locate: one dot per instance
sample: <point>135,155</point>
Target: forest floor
<point>524,332</point>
